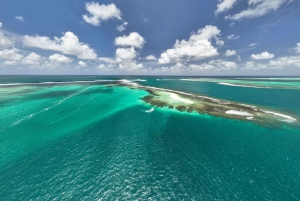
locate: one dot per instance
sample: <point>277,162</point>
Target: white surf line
<point>280,115</point>
<point>129,82</point>
<point>45,83</point>
<point>237,85</point>
<point>139,80</point>
<point>200,79</point>
<point>45,109</point>
<point>279,78</point>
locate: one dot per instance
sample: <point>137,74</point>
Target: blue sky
<point>158,37</point>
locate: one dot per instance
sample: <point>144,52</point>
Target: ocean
<point>64,139</point>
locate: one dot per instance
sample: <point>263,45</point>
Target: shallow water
<point>87,142</point>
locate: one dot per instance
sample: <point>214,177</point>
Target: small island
<point>189,102</point>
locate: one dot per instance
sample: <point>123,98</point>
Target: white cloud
<point>58,58</point>
<point>133,39</point>
<point>5,42</point>
<point>219,42</point>
<point>10,63</point>
<point>20,18</point>
<point>232,37</point>
<point>125,54</point>
<point>106,60</point>
<point>225,5</point>
<point>12,54</point>
<point>82,64</point>
<point>67,44</point>
<point>32,59</point>
<point>122,27</point>
<point>214,65</point>
<point>279,63</point>
<point>221,64</point>
<point>229,53</point>
<point>263,55</point>
<point>201,67</point>
<point>178,67</point>
<point>151,58</point>
<point>100,13</point>
<point>297,48</point>
<point>251,65</point>
<point>130,66</point>
<point>258,8</point>
<point>252,44</point>
<point>1,24</point>
<point>101,66</point>
<point>126,59</point>
<point>197,47</point>
<point>286,62</point>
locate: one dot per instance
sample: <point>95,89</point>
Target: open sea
<point>67,140</point>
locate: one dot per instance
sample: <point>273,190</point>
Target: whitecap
<point>150,110</point>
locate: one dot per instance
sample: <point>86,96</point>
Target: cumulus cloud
<point>122,27</point>
<point>106,60</point>
<point>101,66</point>
<point>126,59</point>
<point>12,54</point>
<point>125,54</point>
<point>67,44</point>
<point>229,53</point>
<point>258,8</point>
<point>197,47</point>
<point>201,67</point>
<point>32,59</point>
<point>287,61</point>
<point>225,5</point>
<point>178,67</point>
<point>58,58</point>
<point>251,65</point>
<point>20,18</point>
<point>263,55</point>
<point>1,24</point>
<point>151,58</point>
<point>5,42</point>
<point>220,64</point>
<point>98,13</point>
<point>297,48</point>
<point>130,66</point>
<point>219,42</point>
<point>214,65</point>
<point>82,64</point>
<point>279,63</point>
<point>232,37</point>
<point>133,39</point>
<point>10,63</point>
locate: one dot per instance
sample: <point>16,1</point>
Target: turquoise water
<point>90,142</point>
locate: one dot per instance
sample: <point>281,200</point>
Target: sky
<point>157,37</point>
